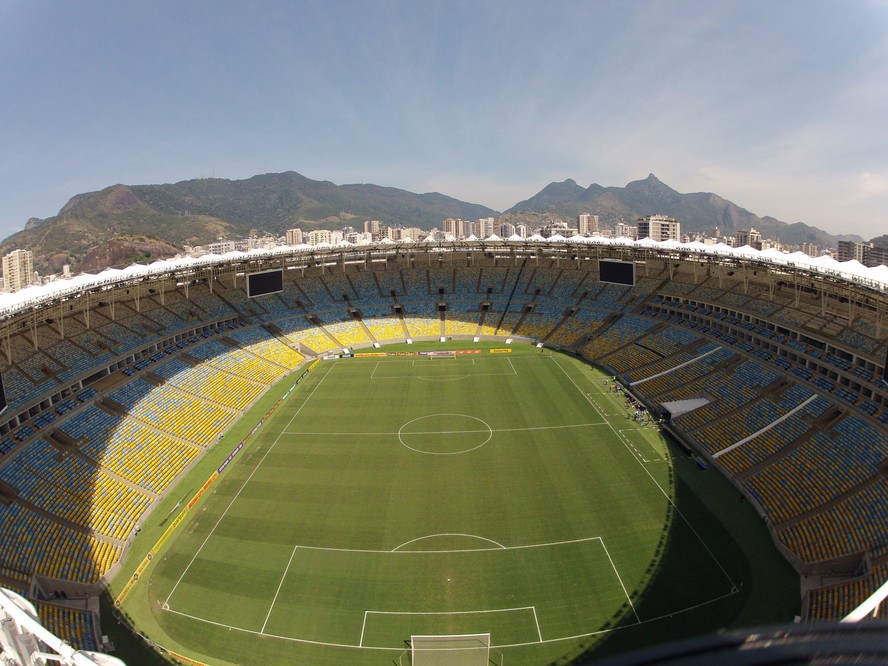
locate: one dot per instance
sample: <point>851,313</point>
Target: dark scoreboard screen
<point>617,272</point>
<point>266,282</point>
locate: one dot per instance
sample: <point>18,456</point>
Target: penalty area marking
<point>448,378</point>
<point>166,607</point>
<point>448,534</point>
<point>558,639</point>
<point>500,548</point>
<point>532,609</point>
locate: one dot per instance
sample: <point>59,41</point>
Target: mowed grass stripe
<point>535,481</point>
<point>448,584</point>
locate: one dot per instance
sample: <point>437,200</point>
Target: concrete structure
<point>318,236</point>
<point>659,228</point>
<point>624,230</point>
<point>851,250</point>
<point>752,238</point>
<point>484,227</point>
<point>587,224</point>
<point>875,256</point>
<point>18,270</point>
<point>294,237</point>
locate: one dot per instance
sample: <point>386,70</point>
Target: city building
<point>456,227</point>
<point>624,230</point>
<point>318,236</point>
<point>294,237</point>
<point>852,251</point>
<point>752,238</point>
<point>557,229</point>
<point>18,270</point>
<point>221,247</point>
<point>484,227</point>
<point>811,249</point>
<point>506,230</point>
<point>875,256</point>
<point>587,224</point>
<point>659,228</point>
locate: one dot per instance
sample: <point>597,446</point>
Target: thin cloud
<point>779,107</point>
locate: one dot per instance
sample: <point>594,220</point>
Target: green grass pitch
<point>489,493</point>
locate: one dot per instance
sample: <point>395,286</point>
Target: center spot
<point>445,434</point>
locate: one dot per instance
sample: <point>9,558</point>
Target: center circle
<point>445,434</point>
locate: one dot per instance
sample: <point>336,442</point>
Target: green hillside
<point>197,212</point>
<point>699,211</point>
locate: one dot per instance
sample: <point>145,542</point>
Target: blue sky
<point>781,107</point>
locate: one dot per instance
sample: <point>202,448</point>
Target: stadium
<point>490,451</point>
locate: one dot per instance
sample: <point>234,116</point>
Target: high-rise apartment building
<point>318,236</point>
<point>865,253</point>
<point>659,228</point>
<point>875,256</point>
<point>484,227</point>
<point>587,224</point>
<point>752,238</point>
<point>624,230</point>
<point>294,237</point>
<point>506,230</point>
<point>456,227</point>
<point>852,251</point>
<point>18,270</point>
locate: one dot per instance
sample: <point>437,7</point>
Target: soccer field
<point>391,496</point>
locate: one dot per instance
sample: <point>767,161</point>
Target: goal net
<point>432,355</point>
<point>450,650</point>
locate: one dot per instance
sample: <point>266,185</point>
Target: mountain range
<point>148,222</point>
<point>697,212</point>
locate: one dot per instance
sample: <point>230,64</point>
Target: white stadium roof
<point>852,271</point>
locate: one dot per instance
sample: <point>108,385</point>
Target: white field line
<point>532,609</point>
<point>413,363</point>
<point>734,590</point>
<point>619,578</point>
<point>448,534</point>
<point>278,591</point>
<point>491,549</point>
<point>559,639</point>
<point>445,377</point>
<point>537,620</point>
<point>588,396</point>
<point>292,639</point>
<point>651,476</point>
<point>465,612</point>
<point>449,432</point>
<point>246,481</point>
<point>608,631</point>
<point>455,378</point>
<point>363,627</point>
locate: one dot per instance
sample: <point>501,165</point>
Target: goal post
<point>450,650</point>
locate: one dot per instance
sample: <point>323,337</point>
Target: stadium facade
<point>783,356</point>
